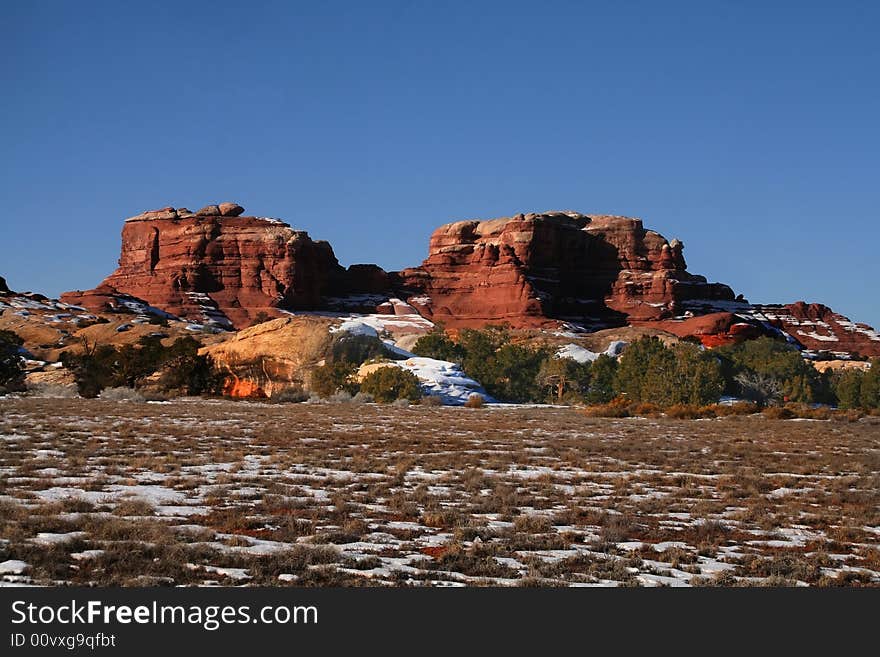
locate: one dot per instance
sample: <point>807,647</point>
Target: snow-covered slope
<point>443,379</point>
<point>583,355</point>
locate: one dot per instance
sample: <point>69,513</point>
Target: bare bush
<point>289,395</point>
<point>121,394</point>
<point>53,390</point>
<point>759,388</point>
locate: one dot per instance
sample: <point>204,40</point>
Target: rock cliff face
<point>217,266</point>
<point>600,269</point>
<point>819,328</point>
<point>263,359</point>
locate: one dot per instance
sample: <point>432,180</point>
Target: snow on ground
<point>13,567</point>
<point>346,494</point>
<point>50,538</point>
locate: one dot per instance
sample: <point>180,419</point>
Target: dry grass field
<point>197,492</point>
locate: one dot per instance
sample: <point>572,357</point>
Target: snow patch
<point>583,355</point>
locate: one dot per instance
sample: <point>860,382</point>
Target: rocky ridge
<point>563,271</point>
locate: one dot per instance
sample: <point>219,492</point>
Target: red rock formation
<point>819,328</point>
<point>713,330</point>
<point>532,270</point>
<point>215,265</point>
<point>562,265</point>
<point>242,388</point>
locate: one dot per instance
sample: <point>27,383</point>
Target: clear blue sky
<point>748,129</point>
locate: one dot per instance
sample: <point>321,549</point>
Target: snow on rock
<point>356,327</point>
<point>442,379</point>
<point>616,348</point>
<point>584,355</point>
<point>402,322</point>
<point>397,351</point>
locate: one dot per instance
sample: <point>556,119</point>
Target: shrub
<point>431,400</point>
<point>152,395</point>
<point>603,375</point>
<point>475,400</point>
<point>507,371</point>
<point>331,378</point>
<point>402,402</point>
<point>440,346</point>
<point>652,372</point>
<point>121,394</point>
<point>289,395</point>
<point>858,389</point>
<point>191,374</point>
<point>341,397</point>
<point>821,413</point>
<point>645,409</point>
<point>532,524</point>
<point>390,383</point>
<point>689,411</point>
<point>850,415</point>
<point>617,407</point>
<point>515,371</point>
<point>52,390</point>
<point>11,361</point>
<point>563,379</point>
<point>134,506</point>
<point>182,369</point>
<point>774,370</point>
<point>739,408</point>
<point>363,398</point>
<point>778,413</point>
<point>760,388</point>
<point>355,349</point>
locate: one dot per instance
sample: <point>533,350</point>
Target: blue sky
<point>747,129</point>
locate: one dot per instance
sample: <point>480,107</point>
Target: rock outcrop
<point>819,328</point>
<point>265,358</point>
<point>596,270</point>
<point>216,266</point>
<point>221,268</point>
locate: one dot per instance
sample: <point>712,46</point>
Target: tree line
<point>765,371</point>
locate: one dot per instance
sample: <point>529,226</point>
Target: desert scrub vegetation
<point>11,362</point>
<point>621,407</point>
<point>177,369</point>
<point>765,372</point>
<point>390,383</point>
<point>198,492</point>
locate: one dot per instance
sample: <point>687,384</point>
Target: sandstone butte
<point>530,270</point>
<point>597,270</point>
<point>216,265</point>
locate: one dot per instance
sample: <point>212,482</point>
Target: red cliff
<point>525,269</point>
<point>217,265</point>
